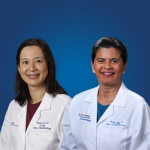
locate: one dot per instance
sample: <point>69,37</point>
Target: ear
<point>92,67</point>
<point>124,67</point>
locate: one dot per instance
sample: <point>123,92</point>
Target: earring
<point>123,72</point>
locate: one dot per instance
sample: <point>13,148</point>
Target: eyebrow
<point>24,59</point>
<point>115,59</point>
<point>35,58</point>
<point>111,59</point>
<point>100,58</point>
<point>39,57</point>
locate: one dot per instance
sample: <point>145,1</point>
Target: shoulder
<point>84,94</point>
<point>79,98</point>
<point>138,106</point>
<point>13,104</point>
<point>132,96</point>
<point>63,97</point>
<point>61,100</point>
<point>137,102</point>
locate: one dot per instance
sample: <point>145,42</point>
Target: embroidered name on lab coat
<point>42,125</point>
<point>13,124</point>
<point>116,123</point>
<point>84,117</point>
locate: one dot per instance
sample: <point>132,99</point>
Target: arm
<point>68,141</point>
<point>5,135</point>
<point>141,137</point>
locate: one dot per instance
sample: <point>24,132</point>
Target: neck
<point>36,93</point>
<point>107,93</point>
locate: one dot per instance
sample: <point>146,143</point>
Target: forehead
<point>31,52</point>
<point>108,53</point>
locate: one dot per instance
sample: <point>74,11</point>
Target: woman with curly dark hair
<point>109,116</point>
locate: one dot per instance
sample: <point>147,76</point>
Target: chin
<point>107,82</point>
<point>34,84</point>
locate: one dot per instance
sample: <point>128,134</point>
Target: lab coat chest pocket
<point>113,139</point>
<point>40,137</point>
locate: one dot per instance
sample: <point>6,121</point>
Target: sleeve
<point>60,131</point>
<point>68,141</point>
<point>141,136</point>
<point>5,135</point>
<point>0,142</point>
<point>60,134</point>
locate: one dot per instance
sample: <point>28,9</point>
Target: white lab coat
<point>125,125</point>
<point>44,131</point>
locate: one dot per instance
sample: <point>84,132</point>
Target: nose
<point>32,66</point>
<point>108,65</point>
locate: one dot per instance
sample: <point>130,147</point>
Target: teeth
<point>108,73</point>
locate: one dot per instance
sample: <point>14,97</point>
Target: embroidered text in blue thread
<point>84,117</point>
<point>117,123</point>
<point>13,124</point>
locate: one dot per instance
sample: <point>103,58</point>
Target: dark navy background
<point>71,27</point>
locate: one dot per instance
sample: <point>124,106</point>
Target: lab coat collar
<point>92,96</point>
<point>44,106</point>
<point>21,107</point>
<point>120,99</point>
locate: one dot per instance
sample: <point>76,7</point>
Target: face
<point>108,66</point>
<point>33,66</point>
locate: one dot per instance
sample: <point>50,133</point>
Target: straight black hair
<point>52,86</point>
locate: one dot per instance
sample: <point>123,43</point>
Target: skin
<point>108,67</point>
<point>33,70</point>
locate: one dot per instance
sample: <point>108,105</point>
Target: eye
<point>101,61</point>
<point>25,62</point>
<point>38,61</point>
<point>114,61</point>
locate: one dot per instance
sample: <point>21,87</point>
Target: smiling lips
<point>107,74</point>
<point>33,76</point>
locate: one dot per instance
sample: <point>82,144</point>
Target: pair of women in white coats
<point>110,116</point>
<point>34,118</point>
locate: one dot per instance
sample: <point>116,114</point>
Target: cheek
<point>44,69</point>
<point>119,69</point>
<point>97,67</point>
<point>22,70</point>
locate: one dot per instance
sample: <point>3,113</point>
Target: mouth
<point>33,76</point>
<point>107,74</point>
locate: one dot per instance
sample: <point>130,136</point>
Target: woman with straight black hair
<point>34,118</point>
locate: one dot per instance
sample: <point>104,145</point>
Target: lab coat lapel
<point>45,105</point>
<point>108,113</point>
<point>119,101</point>
<point>92,110</point>
<point>21,117</point>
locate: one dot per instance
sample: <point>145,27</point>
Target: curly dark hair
<point>107,42</point>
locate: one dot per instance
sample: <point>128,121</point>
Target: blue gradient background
<point>71,27</point>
